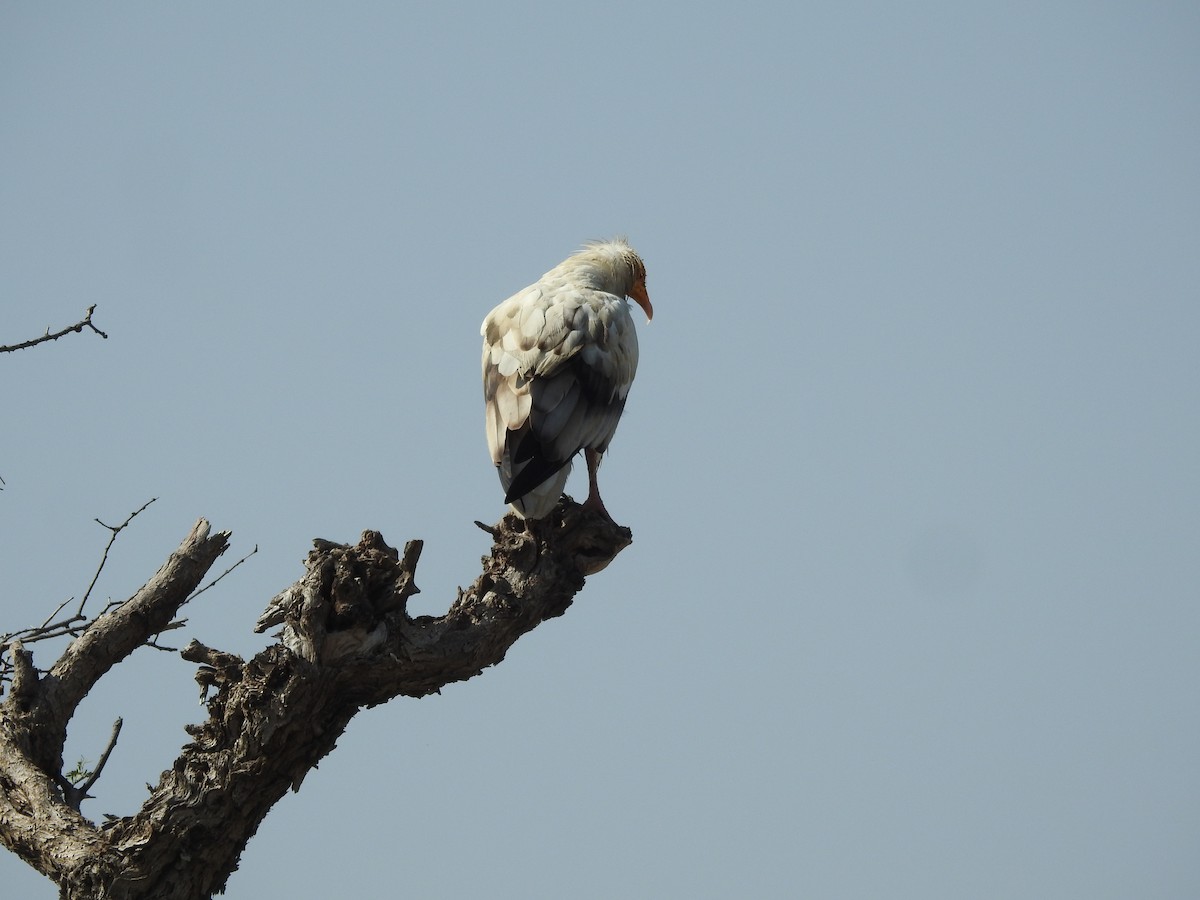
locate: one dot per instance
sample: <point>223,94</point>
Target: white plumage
<point>558,360</point>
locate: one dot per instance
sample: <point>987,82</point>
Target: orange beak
<point>638,294</point>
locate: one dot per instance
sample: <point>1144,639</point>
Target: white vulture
<point>558,360</point>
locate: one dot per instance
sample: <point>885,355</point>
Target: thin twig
<point>76,794</point>
<point>85,322</point>
<point>115,529</point>
<point>46,631</point>
<point>57,610</point>
<point>222,575</point>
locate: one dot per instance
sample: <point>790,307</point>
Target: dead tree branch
<point>85,322</point>
<point>347,643</point>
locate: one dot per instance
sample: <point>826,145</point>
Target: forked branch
<point>347,642</point>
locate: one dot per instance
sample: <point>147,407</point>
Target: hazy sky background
<point>912,461</point>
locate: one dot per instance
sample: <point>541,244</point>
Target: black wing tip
<point>535,472</point>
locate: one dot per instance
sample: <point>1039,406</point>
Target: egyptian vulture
<point>558,360</point>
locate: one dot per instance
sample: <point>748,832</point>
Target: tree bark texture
<point>347,642</point>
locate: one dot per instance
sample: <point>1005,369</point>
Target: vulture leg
<point>593,501</point>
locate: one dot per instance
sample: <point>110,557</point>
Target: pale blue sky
<point>911,461</point>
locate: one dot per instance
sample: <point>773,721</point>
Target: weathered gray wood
<point>347,643</point>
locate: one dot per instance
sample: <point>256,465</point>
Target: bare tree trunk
<point>347,643</point>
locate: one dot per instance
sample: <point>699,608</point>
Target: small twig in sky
<point>85,322</point>
<point>115,529</point>
<point>72,626</point>
<point>76,794</point>
<point>59,609</point>
<point>222,575</point>
<point>47,630</point>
